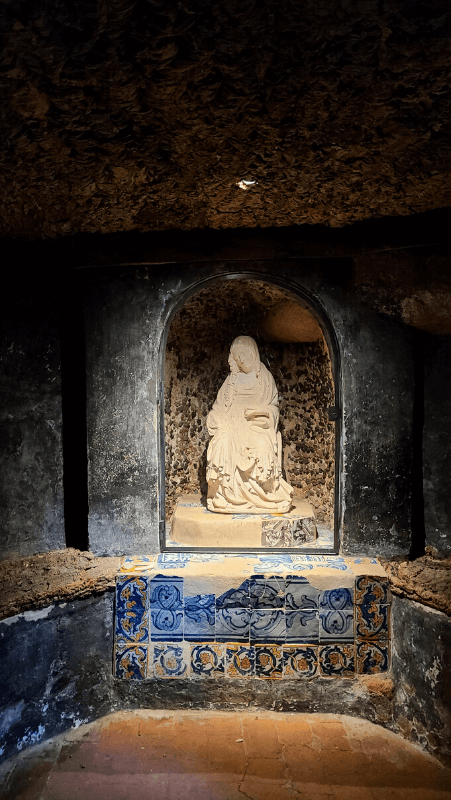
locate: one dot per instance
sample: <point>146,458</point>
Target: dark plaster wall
<point>56,668</point>
<point>126,310</point>
<point>57,672</point>
<point>422,675</point>
<point>31,457</point>
<point>437,442</point>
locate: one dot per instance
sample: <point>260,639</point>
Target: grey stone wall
<point>31,466</point>
<point>126,312</point>
<point>56,667</point>
<point>437,443</point>
<point>422,675</point>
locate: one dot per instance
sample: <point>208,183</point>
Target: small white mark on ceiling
<point>246,184</point>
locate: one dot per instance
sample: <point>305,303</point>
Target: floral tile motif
<point>336,599</point>
<point>299,593</point>
<point>372,656</point>
<point>130,662</point>
<point>372,620</point>
<point>300,661</point>
<point>337,660</point>
<point>369,589</point>
<point>336,625</point>
<point>266,592</point>
<point>302,625</point>
<point>207,660</point>
<point>169,661</point>
<point>132,623</point>
<point>267,625</point>
<point>232,624</point>
<point>166,608</point>
<point>199,618</point>
<point>268,662</point>
<point>240,660</point>
<point>235,598</point>
<point>336,618</point>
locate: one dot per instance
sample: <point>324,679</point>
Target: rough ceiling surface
<point>127,114</point>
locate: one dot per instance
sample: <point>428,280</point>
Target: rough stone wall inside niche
<point>195,367</point>
<point>304,381</point>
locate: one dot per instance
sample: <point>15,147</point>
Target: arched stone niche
<point>297,345</point>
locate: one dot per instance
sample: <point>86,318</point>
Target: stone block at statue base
<point>194,526</point>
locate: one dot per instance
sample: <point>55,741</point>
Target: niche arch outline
<point>316,308</point>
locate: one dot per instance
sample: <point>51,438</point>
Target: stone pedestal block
<point>194,526</point>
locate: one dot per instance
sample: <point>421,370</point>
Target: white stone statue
<point>244,458</point>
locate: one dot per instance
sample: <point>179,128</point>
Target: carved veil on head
<point>250,344</point>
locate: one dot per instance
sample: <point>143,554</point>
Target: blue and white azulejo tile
<point>232,624</point>
<point>166,608</point>
<point>200,613</point>
<point>266,592</point>
<point>267,625</point>
<point>302,625</point>
<point>235,598</point>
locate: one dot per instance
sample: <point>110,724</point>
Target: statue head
<point>244,355</point>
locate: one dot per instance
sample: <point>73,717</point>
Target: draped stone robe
<point>244,459</point>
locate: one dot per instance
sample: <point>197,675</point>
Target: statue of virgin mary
<point>244,457</point>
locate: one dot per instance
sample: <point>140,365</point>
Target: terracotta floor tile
<point>331,735</point>
<point>267,768</point>
<point>196,756</point>
<point>260,789</point>
<point>261,738</point>
<point>294,731</point>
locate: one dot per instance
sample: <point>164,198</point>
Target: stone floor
<point>151,755</point>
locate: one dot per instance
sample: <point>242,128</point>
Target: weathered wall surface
<point>31,456</point>
<point>437,443</point>
<point>147,115</point>
<point>422,675</point>
<point>125,315</point>
<point>122,335</point>
<point>196,365</point>
<point>56,667</point>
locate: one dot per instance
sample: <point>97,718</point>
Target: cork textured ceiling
<point>125,115</point>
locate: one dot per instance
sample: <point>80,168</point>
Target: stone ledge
<point>427,580</point>
<point>60,575</point>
